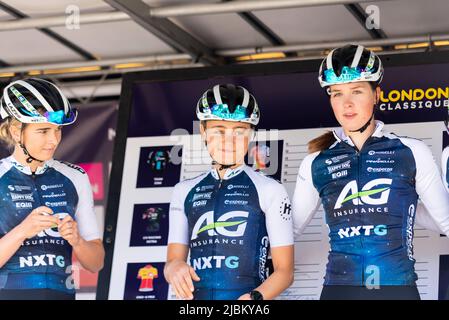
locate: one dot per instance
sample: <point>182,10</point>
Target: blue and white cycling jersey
<point>370,199</point>
<point>445,167</point>
<point>44,261</point>
<point>229,226</point>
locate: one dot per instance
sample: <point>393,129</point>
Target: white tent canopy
<point>116,36</point>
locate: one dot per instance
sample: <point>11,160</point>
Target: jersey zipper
<point>216,209</point>
<point>361,215</point>
<point>362,222</point>
<point>358,157</point>
<point>38,204</point>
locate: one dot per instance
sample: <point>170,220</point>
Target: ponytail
<point>322,142</point>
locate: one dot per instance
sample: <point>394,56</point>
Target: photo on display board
<point>150,225</point>
<point>266,156</point>
<point>445,144</point>
<point>145,281</point>
<point>445,139</point>
<point>158,167</point>
<point>443,290</point>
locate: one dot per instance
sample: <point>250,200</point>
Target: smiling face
<point>227,141</point>
<point>353,103</point>
<point>40,139</point>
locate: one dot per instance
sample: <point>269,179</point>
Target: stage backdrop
<point>155,132</point>
<point>89,143</point>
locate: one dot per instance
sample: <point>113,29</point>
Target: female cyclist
<point>231,217</point>
<point>46,212</point>
<point>369,182</point>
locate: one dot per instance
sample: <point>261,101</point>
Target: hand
<point>68,229</point>
<point>38,220</point>
<point>180,275</point>
<point>245,296</point>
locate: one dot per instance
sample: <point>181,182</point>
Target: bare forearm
<point>276,283</point>
<point>176,253</point>
<point>90,254</point>
<point>9,244</point>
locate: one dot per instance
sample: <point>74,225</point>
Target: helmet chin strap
<point>222,166</point>
<point>30,158</point>
<point>366,125</point>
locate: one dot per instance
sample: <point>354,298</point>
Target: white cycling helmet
<point>351,63</point>
<point>22,98</point>
<point>229,103</point>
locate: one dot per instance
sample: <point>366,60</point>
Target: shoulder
<point>306,167</point>
<point>67,166</point>
<point>5,166</point>
<point>445,155</point>
<point>420,151</point>
<point>71,171</point>
<point>417,146</point>
<point>310,158</point>
<point>184,186</point>
<point>412,143</point>
<point>262,181</point>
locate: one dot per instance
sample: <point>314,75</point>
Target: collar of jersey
<point>26,169</point>
<point>230,173</point>
<point>340,135</point>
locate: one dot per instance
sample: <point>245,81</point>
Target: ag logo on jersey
<point>222,226</point>
<point>374,192</point>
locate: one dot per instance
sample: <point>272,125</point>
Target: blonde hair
<point>5,128</point>
<point>5,131</point>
